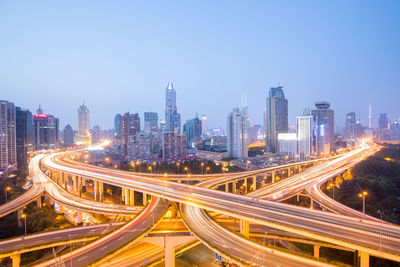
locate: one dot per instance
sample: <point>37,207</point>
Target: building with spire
<point>172,117</point>
<point>83,136</point>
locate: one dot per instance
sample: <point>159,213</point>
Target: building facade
<point>83,136</point>
<point>172,117</point>
<point>287,145</point>
<point>150,122</point>
<point>193,130</point>
<point>237,128</point>
<point>130,126</point>
<point>24,136</point>
<point>68,135</point>
<point>324,128</point>
<point>204,126</point>
<point>276,117</point>
<point>351,126</point>
<point>173,145</point>
<point>305,137</point>
<point>8,149</point>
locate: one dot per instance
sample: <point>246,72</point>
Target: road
<point>382,240</point>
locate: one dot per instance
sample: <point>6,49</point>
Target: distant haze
<point>118,56</point>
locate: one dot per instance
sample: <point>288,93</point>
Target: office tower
<point>83,135</point>
<point>173,145</point>
<point>237,129</point>
<point>193,131</point>
<point>139,146</point>
<point>255,134</point>
<point>130,125</point>
<point>24,136</point>
<point>172,117</point>
<point>324,128</point>
<point>276,117</point>
<point>117,126</point>
<point>370,117</point>
<point>383,121</point>
<point>68,135</point>
<point>287,144</point>
<point>351,126</point>
<point>45,130</point>
<point>305,127</point>
<point>150,122</point>
<point>204,125</point>
<point>163,126</point>
<point>8,149</point>
<point>96,134</point>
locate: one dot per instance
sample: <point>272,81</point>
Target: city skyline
<point>314,59</point>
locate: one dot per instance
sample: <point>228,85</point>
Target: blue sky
<point>118,56</point>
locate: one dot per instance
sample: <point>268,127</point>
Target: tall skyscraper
<point>150,122</point>
<point>117,126</point>
<point>68,135</point>
<point>237,128</point>
<point>351,126</point>
<point>45,130</point>
<point>172,117</point>
<point>8,149</point>
<point>383,121</point>
<point>83,136</point>
<point>276,117</point>
<point>324,128</point>
<point>24,136</point>
<point>193,129</point>
<point>204,125</point>
<point>130,126</point>
<point>305,127</point>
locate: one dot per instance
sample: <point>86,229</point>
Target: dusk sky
<point>118,56</point>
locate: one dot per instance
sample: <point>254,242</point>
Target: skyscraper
<point>204,125</point>
<point>172,117</point>
<point>84,136</point>
<point>150,122</point>
<point>45,130</point>
<point>68,135</point>
<point>276,117</point>
<point>305,135</point>
<point>237,128</point>
<point>324,128</point>
<point>193,129</point>
<point>96,134</point>
<point>117,126</point>
<point>8,149</point>
<point>351,126</point>
<point>24,136</point>
<point>383,121</point>
<point>130,126</point>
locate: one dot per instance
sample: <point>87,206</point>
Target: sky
<point>118,56</point>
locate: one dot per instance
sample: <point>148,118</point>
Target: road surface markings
<point>120,238</point>
<point>82,258</point>
<point>103,248</point>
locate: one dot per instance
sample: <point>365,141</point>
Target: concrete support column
<point>39,201</point>
<point>64,180</point>
<point>245,228</point>
<point>101,191</point>
<point>245,185</point>
<point>132,197</point>
<point>273,177</point>
<point>234,187</point>
<point>289,172</point>
<point>227,187</point>
<point>83,181</point>
<point>74,183</point>
<point>144,199</point>
<point>16,260</point>
<point>60,208</point>
<point>79,216</point>
<point>364,259</point>
<point>96,190</point>
<point>254,183</point>
<point>298,197</point>
<point>79,186</point>
<point>20,212</point>
<point>312,204</point>
<point>316,250</point>
<point>169,255</point>
<point>126,196</point>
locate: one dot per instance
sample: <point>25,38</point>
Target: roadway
<point>380,240</point>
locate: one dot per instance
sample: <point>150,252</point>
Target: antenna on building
<point>244,100</point>
<point>370,116</point>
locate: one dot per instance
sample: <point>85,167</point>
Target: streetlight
<point>187,170</point>
<point>154,164</point>
<point>24,217</point>
<point>150,169</point>
<point>333,190</point>
<point>363,194</point>
<point>138,164</point>
<point>6,190</point>
<point>202,168</point>
<point>177,167</point>
<point>207,169</point>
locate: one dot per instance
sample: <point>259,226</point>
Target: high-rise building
<point>324,128</point>
<point>24,136</point>
<point>68,135</point>
<point>139,146</point>
<point>351,126</point>
<point>96,134</point>
<point>173,145</point>
<point>276,117</point>
<point>383,121</point>
<point>45,130</point>
<point>150,122</point>
<point>117,126</point>
<point>172,117</point>
<point>193,130</point>
<point>305,127</point>
<point>287,144</point>
<point>204,125</point>
<point>8,149</point>
<point>83,135</point>
<point>130,125</point>
<point>237,128</point>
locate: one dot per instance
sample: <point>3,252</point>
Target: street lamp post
<point>202,168</point>
<point>362,195</point>
<point>333,190</point>
<point>177,167</point>
<point>207,169</point>
<point>24,216</point>
<point>154,164</point>
<point>150,169</point>
<point>5,192</point>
